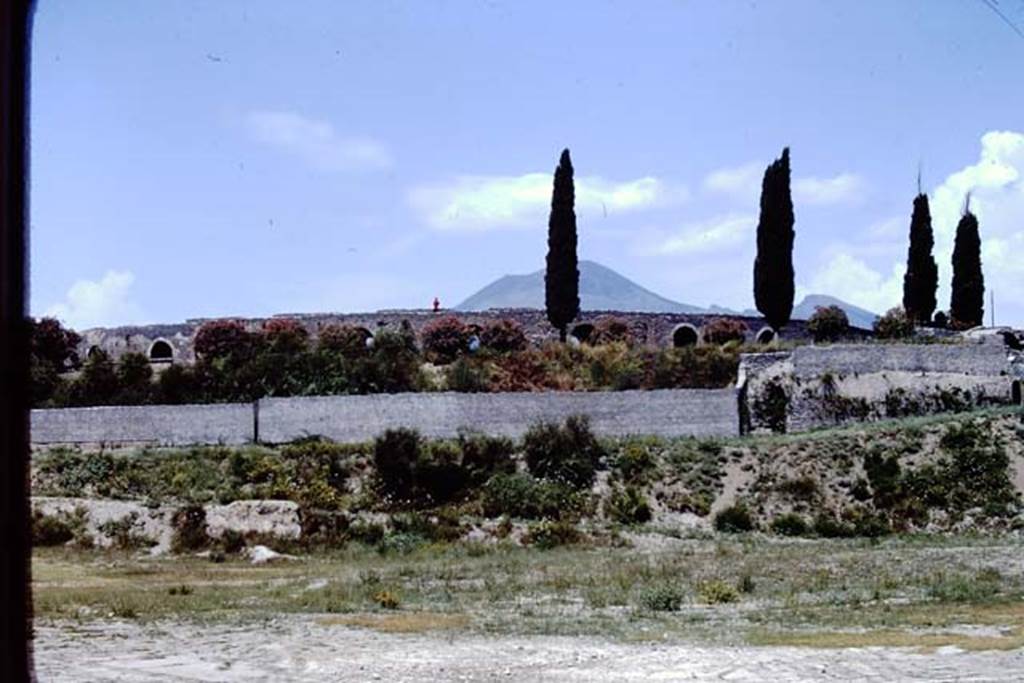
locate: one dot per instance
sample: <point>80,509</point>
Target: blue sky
<point>243,158</point>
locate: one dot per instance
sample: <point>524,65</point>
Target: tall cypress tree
<point>773,267</point>
<point>562,277</point>
<point>967,303</point>
<point>922,277</point>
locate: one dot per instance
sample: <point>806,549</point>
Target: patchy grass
<point>721,590</point>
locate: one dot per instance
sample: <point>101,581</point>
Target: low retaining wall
<point>670,412</point>
<point>226,423</point>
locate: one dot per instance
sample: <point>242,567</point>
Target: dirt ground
<point>317,648</point>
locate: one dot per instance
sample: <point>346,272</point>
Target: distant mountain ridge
<point>602,289</point>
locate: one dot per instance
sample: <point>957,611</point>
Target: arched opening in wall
<point>93,350</point>
<point>765,336</point>
<point>1015,393</point>
<point>582,332</point>
<point>161,352</point>
<point>684,335</point>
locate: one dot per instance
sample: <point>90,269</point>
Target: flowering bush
<point>285,335</point>
<point>222,338</point>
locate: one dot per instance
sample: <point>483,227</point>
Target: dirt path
<point>305,648</point>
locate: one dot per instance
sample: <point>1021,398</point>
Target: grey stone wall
<point>819,386</point>
<point>677,412</point>
<point>231,423</point>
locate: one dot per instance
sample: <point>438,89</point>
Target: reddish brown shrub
<point>724,330</point>
<point>345,339</point>
<point>285,335</point>
<point>222,338</point>
<point>503,336</point>
<point>444,339</point>
<point>610,330</point>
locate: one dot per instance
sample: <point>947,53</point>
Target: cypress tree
<point>967,303</point>
<point>773,267</point>
<point>562,277</point>
<point>922,277</point>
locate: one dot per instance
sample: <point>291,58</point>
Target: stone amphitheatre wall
<point>811,386</point>
<point>657,329</point>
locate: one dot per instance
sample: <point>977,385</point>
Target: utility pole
<point>992,305</point>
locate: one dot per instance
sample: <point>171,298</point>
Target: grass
<point>826,593</point>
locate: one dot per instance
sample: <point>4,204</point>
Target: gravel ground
<point>304,648</point>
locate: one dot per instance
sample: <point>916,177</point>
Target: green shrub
<point>467,375</point>
<point>484,456</point>
<point>734,519</point>
<point>349,341</point>
<point>790,524</point>
<point>662,597</point>
<point>771,407</point>
<point>634,462</point>
<point>827,526</point>
<point>395,455</point>
<point>547,534</point>
<point>627,506</point>
<point>189,533</point>
<point>49,530</point>
<point>569,454</point>
<point>799,488</point>
<point>984,585</point>
<point>122,533</point>
<point>828,323</point>
<point>523,496</point>
<point>716,592</point>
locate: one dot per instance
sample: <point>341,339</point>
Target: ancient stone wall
<point>656,329</point>
<point>816,386</point>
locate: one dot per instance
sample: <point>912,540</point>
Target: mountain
<point>601,289</point>
<point>859,317</point>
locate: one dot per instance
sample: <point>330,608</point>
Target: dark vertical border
<point>15,550</point>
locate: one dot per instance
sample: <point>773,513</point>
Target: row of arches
<point>684,334</point>
<point>160,351</point>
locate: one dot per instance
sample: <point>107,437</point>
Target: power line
<point>991,4</point>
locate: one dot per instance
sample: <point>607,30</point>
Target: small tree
<point>828,323</point>
<point>773,268</point>
<point>562,277</point>
<point>922,277</point>
<point>967,303</point>
<point>894,325</point>
<point>54,344</point>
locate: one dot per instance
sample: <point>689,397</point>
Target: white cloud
<point>479,203</point>
<point>316,142</point>
<point>996,184</point>
<point>720,232</point>
<point>744,183</point>
<point>844,188</point>
<point>98,303</point>
<point>741,182</point>
<point>852,280</point>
